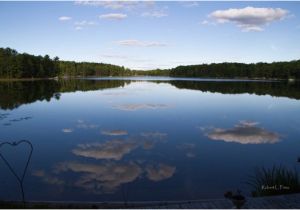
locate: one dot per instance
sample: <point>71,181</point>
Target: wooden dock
<point>291,201</point>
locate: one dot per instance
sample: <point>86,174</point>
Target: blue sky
<point>147,35</point>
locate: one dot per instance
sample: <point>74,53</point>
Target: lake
<point>145,138</point>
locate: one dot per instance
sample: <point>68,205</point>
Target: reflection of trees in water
<point>15,93</point>
<point>279,89</point>
<point>7,122</point>
<point>15,120</point>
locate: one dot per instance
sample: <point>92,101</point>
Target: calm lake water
<point>143,139</point>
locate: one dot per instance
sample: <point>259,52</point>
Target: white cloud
<point>250,18</point>
<point>115,5</point>
<point>115,56</point>
<point>79,25</point>
<point>190,4</point>
<point>64,18</point>
<point>78,28</point>
<point>156,14</point>
<point>151,66</point>
<point>84,23</point>
<point>244,132</point>
<point>205,22</point>
<point>134,59</point>
<point>113,16</point>
<point>138,43</point>
<point>108,4</point>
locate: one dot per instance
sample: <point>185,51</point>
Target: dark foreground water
<point>137,139</point>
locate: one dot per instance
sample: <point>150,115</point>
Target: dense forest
<point>23,65</point>
<point>17,65</point>
<point>276,70</point>
<point>156,72</point>
<point>84,69</point>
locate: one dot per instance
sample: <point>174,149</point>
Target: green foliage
<point>16,65</point>
<point>274,181</point>
<point>156,72</point>
<point>276,70</point>
<point>85,69</point>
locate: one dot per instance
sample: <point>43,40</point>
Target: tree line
<point>275,70</point>
<point>16,65</point>
<point>23,65</point>
<point>85,69</point>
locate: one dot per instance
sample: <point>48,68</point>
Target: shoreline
<point>242,79</point>
<point>26,79</point>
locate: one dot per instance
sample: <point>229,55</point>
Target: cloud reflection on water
<point>113,149</point>
<point>154,135</point>
<point>160,172</point>
<point>67,130</point>
<point>188,148</point>
<point>101,178</point>
<point>108,171</point>
<point>84,125</point>
<point>4,116</point>
<point>50,179</point>
<point>114,132</point>
<point>245,132</point>
<point>115,93</point>
<point>134,107</point>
